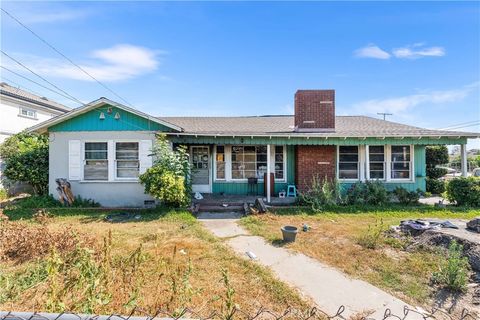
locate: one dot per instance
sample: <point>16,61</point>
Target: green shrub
<point>371,238</point>
<point>168,179</point>
<point>407,197</point>
<point>26,159</point>
<point>453,272</point>
<point>321,194</point>
<point>435,173</point>
<point>370,192</point>
<point>3,194</point>
<point>435,186</point>
<point>464,191</point>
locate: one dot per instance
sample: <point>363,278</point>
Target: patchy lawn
<point>70,259</point>
<point>335,236</point>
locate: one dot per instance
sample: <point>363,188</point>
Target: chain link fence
<point>260,314</point>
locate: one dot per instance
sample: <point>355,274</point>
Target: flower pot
<point>289,233</point>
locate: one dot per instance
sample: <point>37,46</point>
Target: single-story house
<point>103,146</point>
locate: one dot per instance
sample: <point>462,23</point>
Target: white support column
<point>269,169</point>
<point>463,155</point>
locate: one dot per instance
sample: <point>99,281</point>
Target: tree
<point>25,156</point>
<point>169,178</point>
<point>436,155</point>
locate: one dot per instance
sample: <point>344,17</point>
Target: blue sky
<point>420,61</point>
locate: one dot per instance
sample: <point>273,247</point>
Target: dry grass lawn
<point>165,261</point>
<point>334,240</point>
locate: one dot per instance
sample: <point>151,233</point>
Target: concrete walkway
<point>326,286</point>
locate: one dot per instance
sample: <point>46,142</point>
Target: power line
<point>67,58</point>
<point>39,84</point>
<point>458,124</point>
<point>53,85</point>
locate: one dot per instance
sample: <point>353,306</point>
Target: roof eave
<point>43,127</point>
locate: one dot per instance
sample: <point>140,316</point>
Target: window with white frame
<point>126,160</point>
<point>28,113</point>
<point>96,161</point>
<point>220,162</point>
<point>249,162</point>
<point>279,163</point>
<point>376,162</point>
<point>401,162</point>
<point>348,162</point>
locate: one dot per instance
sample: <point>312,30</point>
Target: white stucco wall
<point>12,122</point>
<point>108,193</point>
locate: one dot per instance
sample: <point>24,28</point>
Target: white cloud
<point>399,105</point>
<point>418,50</point>
<point>372,51</point>
<point>120,62</point>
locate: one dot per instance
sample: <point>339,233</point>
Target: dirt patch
<point>20,242</point>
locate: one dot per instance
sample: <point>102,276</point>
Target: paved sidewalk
<point>328,287</point>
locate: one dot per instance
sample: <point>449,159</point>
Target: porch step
<point>220,208</point>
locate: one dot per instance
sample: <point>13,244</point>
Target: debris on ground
<point>122,217</point>
<point>65,195</point>
<point>306,227</point>
<point>474,224</point>
<point>198,196</point>
<point>251,255</point>
<point>417,227</point>
<point>260,205</point>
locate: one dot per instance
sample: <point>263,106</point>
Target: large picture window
<point>126,159</point>
<point>249,161</point>
<point>376,157</point>
<point>400,162</point>
<point>96,161</point>
<point>348,162</point>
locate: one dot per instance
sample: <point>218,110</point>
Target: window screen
<point>96,163</point>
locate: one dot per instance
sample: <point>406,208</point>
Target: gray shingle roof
<point>345,126</point>
<point>8,90</point>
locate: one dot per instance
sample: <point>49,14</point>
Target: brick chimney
<point>315,110</point>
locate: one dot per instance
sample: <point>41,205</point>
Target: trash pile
<point>417,227</point>
<point>122,217</point>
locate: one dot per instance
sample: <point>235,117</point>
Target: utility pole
<point>384,114</point>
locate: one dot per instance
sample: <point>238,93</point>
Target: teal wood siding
<point>242,187</point>
<point>90,121</point>
<point>420,174</point>
<point>312,140</point>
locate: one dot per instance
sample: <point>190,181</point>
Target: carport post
<point>463,156</point>
<point>268,173</point>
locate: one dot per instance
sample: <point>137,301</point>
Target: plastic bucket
<point>289,233</point>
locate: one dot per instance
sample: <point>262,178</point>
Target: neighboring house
<point>103,147</point>
<point>20,109</point>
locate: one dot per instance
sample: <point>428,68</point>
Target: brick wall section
<point>317,108</point>
<point>308,166</point>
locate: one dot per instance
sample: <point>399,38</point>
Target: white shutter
<point>144,155</point>
<point>74,160</point>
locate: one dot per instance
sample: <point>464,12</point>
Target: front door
<point>200,168</point>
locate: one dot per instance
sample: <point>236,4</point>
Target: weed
<point>3,194</point>
<point>12,285</point>
<point>371,238</point>
<point>228,307</point>
<point>453,272</point>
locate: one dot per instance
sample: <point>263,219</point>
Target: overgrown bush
<point>371,238</point>
<point>464,191</point>
<point>25,156</point>
<point>435,186</point>
<point>322,193</point>
<point>453,272</point>
<point>370,192</point>
<point>169,178</point>
<point>3,194</point>
<point>407,197</point>
<point>48,201</point>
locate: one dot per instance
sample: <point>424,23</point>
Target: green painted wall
<point>420,174</point>
<point>312,141</point>
<point>242,187</point>
<point>90,121</point>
